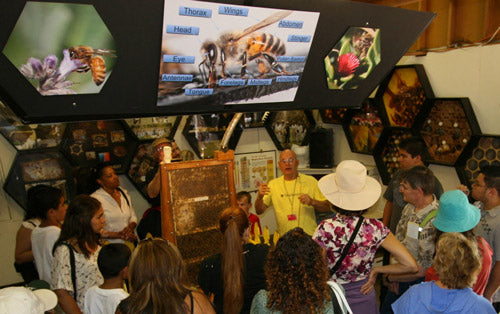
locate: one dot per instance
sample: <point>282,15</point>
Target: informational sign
<point>252,169</point>
<point>211,48</point>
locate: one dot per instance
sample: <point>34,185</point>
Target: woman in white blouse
<point>118,211</point>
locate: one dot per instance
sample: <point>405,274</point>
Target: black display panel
<point>133,50</point>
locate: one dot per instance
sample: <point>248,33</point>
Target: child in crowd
<point>113,262</point>
<point>51,206</point>
<point>244,201</point>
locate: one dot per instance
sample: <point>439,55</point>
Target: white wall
<point>469,72</point>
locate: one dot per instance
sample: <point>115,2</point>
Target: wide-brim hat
<point>455,213</point>
<point>22,300</point>
<point>350,187</point>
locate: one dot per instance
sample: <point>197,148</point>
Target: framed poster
<point>290,127</point>
<point>252,169</point>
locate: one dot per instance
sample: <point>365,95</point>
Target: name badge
<point>412,230</point>
<point>292,217</point>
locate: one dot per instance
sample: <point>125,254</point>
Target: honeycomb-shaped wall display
<point>363,127</point>
<point>204,133</point>
<point>290,127</point>
<point>386,151</point>
<point>88,143</point>
<point>143,164</point>
<point>62,48</point>
<point>332,115</point>
<point>402,94</point>
<point>31,168</point>
<point>33,136</point>
<point>155,127</point>
<point>447,127</point>
<point>483,150</point>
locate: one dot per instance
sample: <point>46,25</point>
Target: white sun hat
<point>22,300</point>
<point>350,188</point>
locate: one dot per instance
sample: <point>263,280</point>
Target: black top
<point>210,275</point>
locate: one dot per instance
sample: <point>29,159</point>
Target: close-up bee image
<point>242,47</point>
<point>92,60</point>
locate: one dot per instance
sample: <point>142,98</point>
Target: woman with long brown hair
<point>74,267</point>
<point>234,276</point>
<point>158,282</point>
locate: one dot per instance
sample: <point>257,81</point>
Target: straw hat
<point>160,141</point>
<point>350,188</point>
<point>455,213</point>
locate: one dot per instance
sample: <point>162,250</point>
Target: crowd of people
<point>441,253</point>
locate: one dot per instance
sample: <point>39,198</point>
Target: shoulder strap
<point>124,196</point>
<point>429,216</point>
<point>347,247</point>
<point>335,302</point>
<point>192,303</point>
<point>71,263</point>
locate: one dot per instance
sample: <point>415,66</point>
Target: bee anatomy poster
<point>80,60</point>
<point>249,54</point>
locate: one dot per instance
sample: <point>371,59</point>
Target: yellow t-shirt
<point>289,211</point>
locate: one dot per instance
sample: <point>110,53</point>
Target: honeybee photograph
<point>353,58</point>
<point>244,53</point>
<point>62,48</point>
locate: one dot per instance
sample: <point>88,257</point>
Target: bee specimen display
<point>244,46</point>
<point>238,53</point>
<point>91,60</point>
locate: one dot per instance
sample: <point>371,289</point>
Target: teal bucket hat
<point>455,213</point>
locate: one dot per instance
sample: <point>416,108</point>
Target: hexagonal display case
<point>483,150</point>
<point>333,115</point>
<point>290,127</point>
<point>62,48</point>
<point>363,127</point>
<point>155,127</point>
<point>204,133</point>
<point>447,127</point>
<point>33,168</point>
<point>386,152</point>
<point>88,143</point>
<point>142,164</point>
<point>402,94</point>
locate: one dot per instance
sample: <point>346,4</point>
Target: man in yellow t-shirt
<point>293,196</point>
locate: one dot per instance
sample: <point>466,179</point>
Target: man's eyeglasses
<point>289,160</point>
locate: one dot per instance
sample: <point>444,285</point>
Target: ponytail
<point>233,224</point>
<point>232,269</point>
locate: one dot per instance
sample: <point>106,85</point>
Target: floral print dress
<point>334,234</point>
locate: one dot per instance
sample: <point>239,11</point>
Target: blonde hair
<point>457,260</point>
<point>157,279</point>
